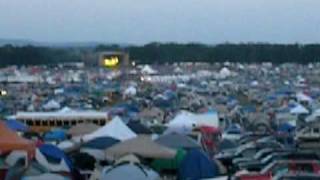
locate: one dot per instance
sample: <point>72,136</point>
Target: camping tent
<point>299,109</point>
<point>196,165</point>
<point>9,141</point>
<point>55,135</point>
<point>52,158</point>
<point>138,128</point>
<point>115,129</point>
<point>128,171</point>
<point>142,146</point>
<point>177,141</point>
<point>169,164</point>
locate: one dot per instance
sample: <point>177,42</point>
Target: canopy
<point>10,141</point>
<point>101,143</point>
<point>142,146</point>
<point>196,165</point>
<point>116,129</point>
<point>169,164</point>
<point>16,125</point>
<point>128,171</point>
<point>82,129</point>
<point>177,141</point>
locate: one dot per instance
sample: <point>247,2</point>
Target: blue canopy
<point>55,135</point>
<point>54,153</point>
<point>196,165</point>
<point>16,125</point>
<point>101,143</point>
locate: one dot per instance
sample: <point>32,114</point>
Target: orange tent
<point>9,141</point>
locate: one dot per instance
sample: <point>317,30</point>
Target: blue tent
<point>54,153</point>
<point>101,143</point>
<point>286,128</point>
<point>55,135</point>
<point>16,125</point>
<point>234,129</point>
<point>196,165</point>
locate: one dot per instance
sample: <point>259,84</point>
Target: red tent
<point>9,141</point>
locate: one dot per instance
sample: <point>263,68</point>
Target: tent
<point>177,141</point>
<point>10,141</point>
<point>142,146</point>
<point>286,128</point>
<point>130,91</point>
<point>148,70</point>
<point>129,171</point>
<point>53,158</point>
<point>16,125</point>
<point>169,164</point>
<point>196,165</point>
<point>299,109</point>
<point>138,128</point>
<point>52,104</point>
<point>55,135</point>
<point>101,143</point>
<point>82,129</point>
<point>115,129</point>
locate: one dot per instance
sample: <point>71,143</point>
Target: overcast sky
<point>143,21</point>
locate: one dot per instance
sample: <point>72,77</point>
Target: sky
<point>144,21</point>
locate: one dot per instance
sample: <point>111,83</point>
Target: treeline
<point>31,55</point>
<point>168,53</point>
<point>247,53</point>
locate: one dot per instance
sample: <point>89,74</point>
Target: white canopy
<point>116,129</point>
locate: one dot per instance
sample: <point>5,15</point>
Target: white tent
<point>116,129</point>
<point>314,116</point>
<point>185,121</point>
<point>148,70</point>
<point>224,72</point>
<point>299,109</point>
<point>52,104</point>
<point>303,97</point>
<point>130,91</point>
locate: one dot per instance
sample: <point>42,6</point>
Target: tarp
<point>177,141</point>
<point>101,143</point>
<point>82,129</point>
<point>16,125</point>
<point>54,153</point>
<point>128,171</point>
<point>116,129</point>
<point>10,141</point>
<point>196,165</point>
<point>142,146</point>
<point>169,164</point>
<point>138,128</point>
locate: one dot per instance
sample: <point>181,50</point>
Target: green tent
<point>169,164</point>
